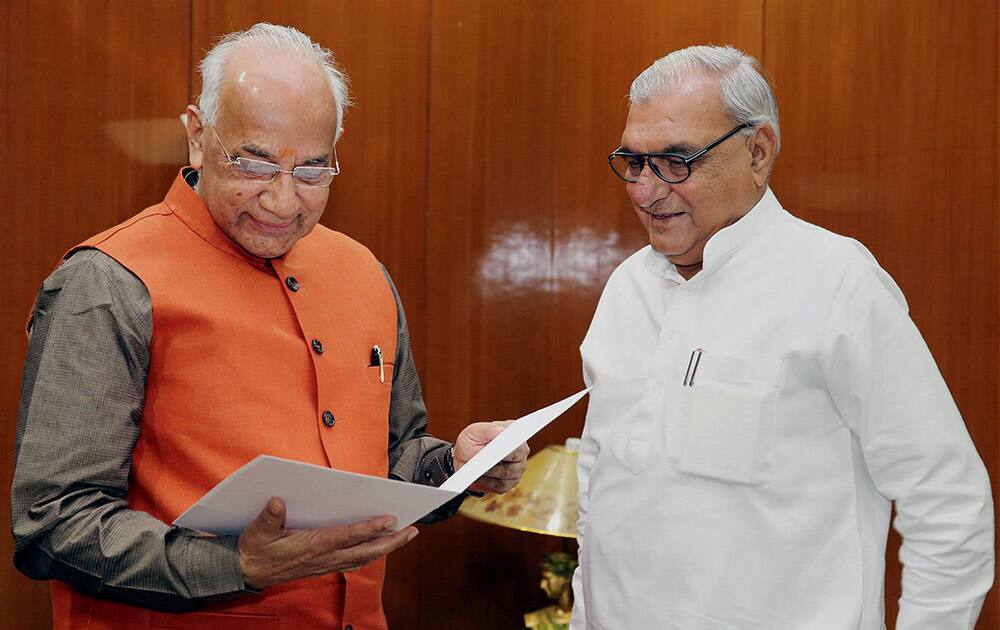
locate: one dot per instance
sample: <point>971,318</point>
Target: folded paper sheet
<point>322,497</point>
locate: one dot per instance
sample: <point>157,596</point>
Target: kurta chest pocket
<point>729,434</point>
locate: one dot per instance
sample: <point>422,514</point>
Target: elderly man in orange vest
<point>215,326</point>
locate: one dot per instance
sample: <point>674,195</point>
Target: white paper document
<point>502,445</point>
<point>322,497</point>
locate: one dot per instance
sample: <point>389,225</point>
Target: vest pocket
<point>730,427</point>
<point>375,375</point>
<point>214,620</point>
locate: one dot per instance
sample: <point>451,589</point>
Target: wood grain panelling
<point>90,110</point>
<point>526,222</point>
<point>889,130</point>
<point>493,110</point>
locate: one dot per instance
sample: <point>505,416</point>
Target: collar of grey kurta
<point>726,241</point>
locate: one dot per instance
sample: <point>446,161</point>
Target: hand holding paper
<point>271,554</point>
<point>316,497</point>
<point>505,474</point>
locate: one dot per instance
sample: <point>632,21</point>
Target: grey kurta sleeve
<point>414,456</point>
<point>82,395</point>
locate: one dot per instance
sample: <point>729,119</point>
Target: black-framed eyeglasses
<point>670,167</point>
<point>259,171</point>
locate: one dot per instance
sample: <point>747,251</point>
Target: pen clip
<point>378,360</point>
<point>692,368</point>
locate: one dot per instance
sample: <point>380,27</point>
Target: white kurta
<point>749,485</point>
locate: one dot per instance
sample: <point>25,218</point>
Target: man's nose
<point>280,197</point>
<point>647,187</point>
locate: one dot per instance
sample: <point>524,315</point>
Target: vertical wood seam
<point>190,59</point>
<point>425,226</point>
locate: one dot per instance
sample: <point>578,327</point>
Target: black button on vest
<point>292,283</point>
<point>317,346</point>
<point>328,419</point>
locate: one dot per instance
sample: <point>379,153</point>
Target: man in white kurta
<point>760,399</point>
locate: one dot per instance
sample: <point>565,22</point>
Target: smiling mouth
<point>264,226</point>
<point>662,216</point>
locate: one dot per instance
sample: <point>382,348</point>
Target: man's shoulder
<point>144,225</point>
<point>88,263</point>
<point>84,265</point>
<point>805,243</point>
<point>827,259</point>
<point>635,263</point>
<point>91,262</point>
<point>88,278</point>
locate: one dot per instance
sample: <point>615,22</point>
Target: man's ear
<point>763,153</point>
<point>195,137</point>
<point>340,133</point>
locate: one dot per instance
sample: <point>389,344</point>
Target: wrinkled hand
<point>271,554</point>
<point>504,475</point>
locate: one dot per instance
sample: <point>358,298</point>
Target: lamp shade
<point>544,502</point>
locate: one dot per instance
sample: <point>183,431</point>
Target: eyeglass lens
<point>671,168</point>
<point>266,172</point>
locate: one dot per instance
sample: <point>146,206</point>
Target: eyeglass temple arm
<point>704,150</point>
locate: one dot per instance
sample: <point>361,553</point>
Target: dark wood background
<point>473,166</point>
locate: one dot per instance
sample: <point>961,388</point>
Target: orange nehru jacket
<point>250,357</point>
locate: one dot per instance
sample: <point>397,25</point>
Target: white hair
<point>746,94</point>
<point>269,38</point>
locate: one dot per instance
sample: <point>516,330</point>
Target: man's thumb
<point>270,522</point>
<point>491,430</point>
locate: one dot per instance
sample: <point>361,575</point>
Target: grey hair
<point>746,95</point>
<point>270,38</point>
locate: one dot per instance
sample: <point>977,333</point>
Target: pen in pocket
<point>377,360</point>
<point>692,368</point>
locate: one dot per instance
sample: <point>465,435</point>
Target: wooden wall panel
<point>526,222</point>
<point>489,251</point>
<point>90,117</point>
<point>889,125</point>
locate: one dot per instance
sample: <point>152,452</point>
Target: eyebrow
<point>682,149</point>
<point>254,150</point>
<point>319,160</point>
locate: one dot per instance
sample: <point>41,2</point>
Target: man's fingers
<point>493,485</point>
<point>356,533</point>
<point>506,470</point>
<point>367,552</point>
<point>519,454</point>
<point>271,554</point>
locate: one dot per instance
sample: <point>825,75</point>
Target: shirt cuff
<point>437,466</point>
<point>212,565</point>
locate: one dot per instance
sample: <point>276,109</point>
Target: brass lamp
<point>544,502</point>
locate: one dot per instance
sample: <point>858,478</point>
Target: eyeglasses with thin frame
<point>670,167</point>
<point>263,172</point>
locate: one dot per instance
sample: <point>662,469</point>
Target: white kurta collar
<point>724,242</point>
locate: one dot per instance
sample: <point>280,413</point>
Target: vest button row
<point>328,419</point>
<point>292,284</point>
<point>317,346</point>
